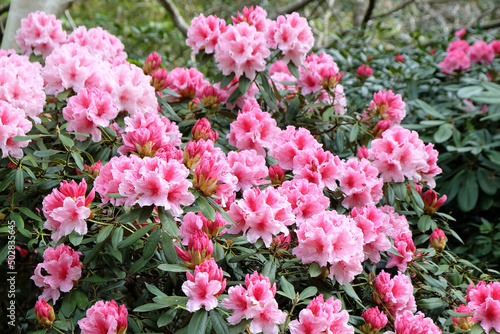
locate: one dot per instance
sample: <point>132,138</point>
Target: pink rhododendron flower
<point>152,63</point>
<point>375,226</point>
<point>256,17</point>
<point>203,130</point>
<point>360,183</point>
<point>400,154</point>
<point>322,317</point>
<point>397,223</point>
<point>319,69</point>
<point>407,322</point>
<point>464,323</point>
<point>62,270</point>
<point>495,45</point>
<point>212,96</point>
<point>375,320</point>
<point>292,35</point>
<point>40,33</point>
<point>197,222</point>
<point>484,299</point>
<point>105,317</point>
<point>261,214</point>
<point>67,209</point>
<point>481,52</point>
<point>89,110</point>
<point>431,202</point>
<point>455,61</point>
<point>13,123</point>
<point>204,286</point>
<point>395,293</point>
<point>200,249</point>
<point>21,84</point>
<point>364,71</point>
<point>146,134</point>
<point>458,45</point>
<point>241,49</point>
<point>277,175</point>
<point>249,167</point>
<point>159,79</point>
<point>204,32</point>
<point>99,42</point>
<point>257,303</point>
<point>331,239</point>
<point>387,106</point>
<point>460,33</point>
<point>306,198</point>
<point>437,240</point>
<point>403,243</point>
<point>195,150</point>
<point>44,313</point>
<point>253,129</point>
<point>187,82</point>
<point>317,166</point>
<point>289,143</point>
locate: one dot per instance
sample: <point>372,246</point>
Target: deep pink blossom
<point>67,209</point>
<point>195,150</point>
<point>13,123</point>
<point>261,214</point>
<point>203,130</point>
<point>387,106</point>
<point>460,33</point>
<point>481,52</point>
<point>256,17</point>
<point>484,299</point>
<point>292,35</point>
<point>212,96</point>
<point>364,71</point>
<point>44,313</point>
<point>431,201</point>
<point>241,49</point>
<point>100,43</point>
<point>204,32</point>
<point>152,63</point>
<point>61,270</point>
<point>399,58</point>
<point>407,322</point>
<point>105,317</point>
<point>458,45</point>
<point>454,62</point>
<point>359,183</point>
<point>495,45</point>
<point>187,82</point>
<point>395,293</point>
<point>249,167</point>
<point>277,175</point>
<point>437,240</point>
<point>40,33</point>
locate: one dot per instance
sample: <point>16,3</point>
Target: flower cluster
<point>249,167</point>
<point>484,300</point>
<point>13,123</point>
<point>105,317</point>
<point>415,324</point>
<point>396,294</point>
<point>255,302</point>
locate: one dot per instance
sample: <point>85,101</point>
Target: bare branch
<point>398,8</point>
<point>175,15</point>
<point>369,11</point>
<point>293,7</point>
<point>4,8</point>
<point>491,25</point>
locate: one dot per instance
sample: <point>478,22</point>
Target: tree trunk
<point>19,9</point>
<point>358,13</point>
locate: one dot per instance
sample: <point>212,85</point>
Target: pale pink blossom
<point>407,322</point>
<point>253,129</point>
<point>186,82</point>
<point>40,33</point>
<point>481,52</point>
<point>403,243</point>
<point>317,72</point>
<point>146,134</point>
<point>21,84</point>
<point>292,35</point>
<point>249,167</point>
<point>395,293</point>
<point>317,166</point>
<point>454,62</point>
<point>67,209</point>
<point>261,214</point>
<point>387,106</point>
<point>484,299</point>
<point>241,49</point>
<point>397,223</point>
<point>99,42</point>
<point>62,270</point>
<point>256,17</point>
<point>329,238</point>
<point>204,286</point>
<point>13,123</point>
<point>288,143</point>
<point>89,110</point>
<point>204,32</point>
<point>105,317</point>
<point>359,183</point>
<point>306,198</point>
<point>375,226</point>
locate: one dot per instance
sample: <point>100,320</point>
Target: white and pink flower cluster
<point>242,47</point>
<point>322,316</point>
<point>460,55</point>
<point>61,270</point>
<point>255,302</point>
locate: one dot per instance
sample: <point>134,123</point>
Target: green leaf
<point>226,80</point>
<point>68,304</point>
<point>19,180</point>
<point>287,288</point>
<point>351,293</point>
<point>240,327</point>
<point>244,84</point>
<point>198,322</point>
<point>168,249</point>
<point>269,270</point>
<point>166,318</point>
<point>432,303</point>
<point>417,199</point>
<point>308,292</point>
<point>171,300</point>
<point>294,70</point>
<point>486,180</point>
<point>152,243</point>
<point>27,212</point>
<point>292,109</point>
<point>75,238</point>
<point>117,237</point>
<point>154,290</point>
<point>8,179</point>
<point>487,98</point>
<point>443,133</point>
<point>469,193</point>
<point>353,134</point>
<point>167,221</point>
<point>205,207</point>
<point>494,156</point>
<point>234,96</point>
<point>28,137</point>
<point>173,268</point>
<point>429,110</point>
<point>81,299</point>
<point>18,220</point>
<point>467,92</point>
<point>66,140</point>
<point>170,112</point>
<point>314,270</point>
<point>424,223</point>
<point>131,239</point>
<point>218,322</point>
<point>93,253</point>
<point>145,213</point>
<point>220,210</point>
<point>476,329</point>
<point>139,264</point>
<point>149,307</point>
<point>78,160</point>
<point>104,233</point>
<point>115,195</point>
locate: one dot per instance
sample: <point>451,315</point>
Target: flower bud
<point>277,175</point>
<point>205,176</point>
<point>464,323</point>
<point>438,240</point>
<point>203,130</point>
<point>381,127</point>
<point>151,64</point>
<point>375,320</point>
<point>431,202</point>
<point>364,71</point>
<point>432,52</point>
<point>399,58</point>
<point>362,152</point>
<point>211,228</point>
<point>280,245</point>
<point>159,79</point>
<point>200,248</point>
<point>44,313</point>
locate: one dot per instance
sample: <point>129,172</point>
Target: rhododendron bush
<point>250,199</point>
